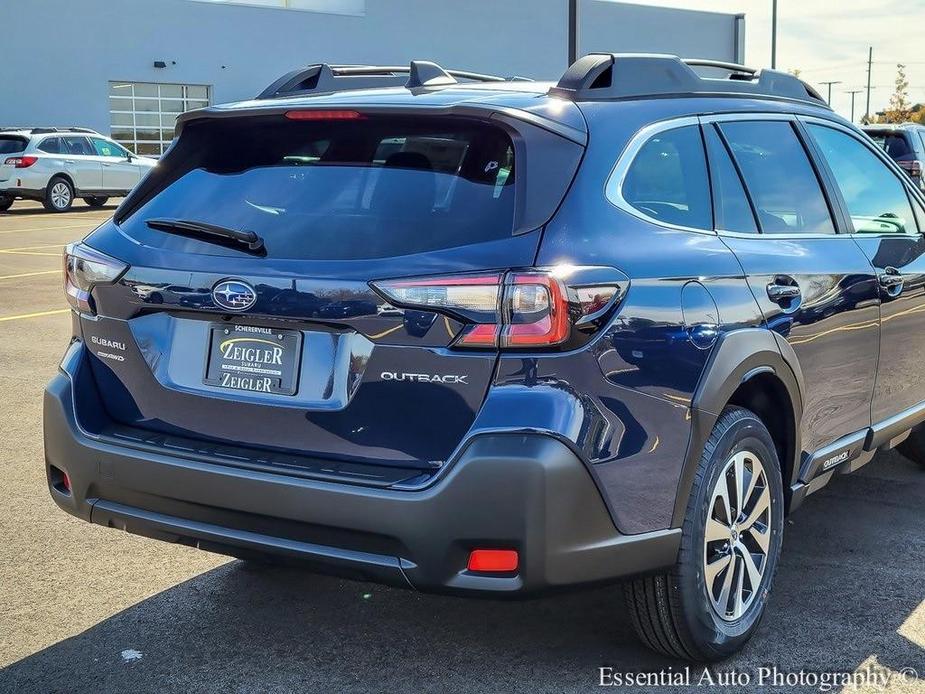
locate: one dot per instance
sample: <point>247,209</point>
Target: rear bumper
<point>527,492</point>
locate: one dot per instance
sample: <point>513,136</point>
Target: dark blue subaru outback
<point>493,337</point>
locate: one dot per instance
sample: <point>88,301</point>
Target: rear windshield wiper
<point>243,240</point>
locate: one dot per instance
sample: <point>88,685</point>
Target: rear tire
<point>96,201</point>
<point>680,613</point>
<point>913,447</point>
<point>5,204</point>
<point>59,195</point>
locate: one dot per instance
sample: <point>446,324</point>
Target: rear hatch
<point>10,147</point>
<point>285,344</point>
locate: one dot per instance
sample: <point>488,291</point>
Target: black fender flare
<point>738,356</point>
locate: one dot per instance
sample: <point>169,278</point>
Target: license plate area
<point>253,359</point>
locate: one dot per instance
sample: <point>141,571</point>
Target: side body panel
<point>625,402</point>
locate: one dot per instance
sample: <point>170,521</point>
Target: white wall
<point>59,55</point>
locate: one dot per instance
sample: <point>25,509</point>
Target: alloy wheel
<point>737,536</point>
<point>60,195</point>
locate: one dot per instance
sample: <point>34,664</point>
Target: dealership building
<point>128,67</point>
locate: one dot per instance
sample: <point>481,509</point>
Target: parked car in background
<point>905,143</point>
<point>494,337</point>
<point>57,165</point>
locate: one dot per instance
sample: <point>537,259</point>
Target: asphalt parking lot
<point>86,609</point>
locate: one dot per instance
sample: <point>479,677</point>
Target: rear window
<point>12,144</point>
<point>893,143</point>
<point>340,189</point>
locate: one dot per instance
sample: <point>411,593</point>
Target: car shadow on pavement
<point>37,210</point>
<point>851,576</point>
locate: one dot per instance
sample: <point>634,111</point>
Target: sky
<point>829,40</point>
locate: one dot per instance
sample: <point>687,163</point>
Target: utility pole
<point>829,85</point>
<point>573,31</point>
<point>870,63</point>
<point>773,34</point>
<point>853,93</point>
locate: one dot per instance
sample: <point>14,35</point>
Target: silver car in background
<point>57,165</point>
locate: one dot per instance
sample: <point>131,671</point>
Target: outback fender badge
<point>234,295</point>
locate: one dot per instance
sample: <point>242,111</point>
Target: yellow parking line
<point>65,226</point>
<point>35,315</point>
<point>16,249</point>
<point>30,274</point>
<point>53,255</point>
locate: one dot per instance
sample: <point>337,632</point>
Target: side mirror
<point>129,156</point>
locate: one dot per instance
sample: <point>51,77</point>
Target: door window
<point>876,198</point>
<point>51,146</point>
<point>78,145</point>
<point>731,207</point>
<point>783,186</point>
<point>668,181</point>
<point>104,148</point>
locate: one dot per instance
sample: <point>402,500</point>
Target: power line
<point>829,85</point>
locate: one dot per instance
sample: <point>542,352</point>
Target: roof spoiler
<point>326,79</point>
<point>607,76</point>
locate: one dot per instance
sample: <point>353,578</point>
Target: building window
<point>143,114</point>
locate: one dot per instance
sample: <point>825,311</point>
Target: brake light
<point>85,268</point>
<point>23,162</point>
<point>324,115</point>
<point>533,309</point>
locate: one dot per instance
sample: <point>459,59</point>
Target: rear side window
<point>12,144</point>
<point>668,180</point>
<point>78,145</point>
<point>341,189</point>
<point>51,145</point>
<point>876,198</point>
<point>730,203</point>
<point>783,186</point>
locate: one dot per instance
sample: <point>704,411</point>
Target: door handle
<point>781,293</point>
<point>69,161</point>
<point>891,280</point>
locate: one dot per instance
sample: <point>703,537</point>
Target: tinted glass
<point>733,213</point>
<point>12,144</point>
<point>104,148</point>
<point>780,179</point>
<point>668,179</point>
<point>341,189</point>
<point>78,145</point>
<point>875,196</point>
<point>52,145</point>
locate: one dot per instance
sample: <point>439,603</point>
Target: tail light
<point>85,268</point>
<point>533,309</point>
<point>23,162</point>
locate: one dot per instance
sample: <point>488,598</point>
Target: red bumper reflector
<point>66,481</point>
<point>493,560</point>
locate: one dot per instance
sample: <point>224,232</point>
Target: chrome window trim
<point>613,188</point>
<point>614,185</point>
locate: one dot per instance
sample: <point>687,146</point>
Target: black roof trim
<point>605,76</point>
<point>326,79</point>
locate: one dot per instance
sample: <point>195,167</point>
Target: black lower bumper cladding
<point>527,492</point>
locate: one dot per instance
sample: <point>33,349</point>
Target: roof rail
<point>602,76</point>
<point>324,78</point>
<point>43,130</point>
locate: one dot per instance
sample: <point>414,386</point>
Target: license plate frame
<point>253,359</point>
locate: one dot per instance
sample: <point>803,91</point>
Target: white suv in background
<point>57,165</point>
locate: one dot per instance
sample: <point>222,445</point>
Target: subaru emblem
<point>234,295</point>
